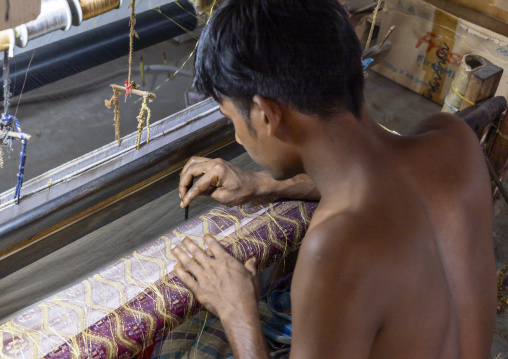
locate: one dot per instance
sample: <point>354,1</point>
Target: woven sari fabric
<point>127,306</point>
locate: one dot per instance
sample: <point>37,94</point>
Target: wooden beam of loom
<point>151,95</point>
<point>17,134</point>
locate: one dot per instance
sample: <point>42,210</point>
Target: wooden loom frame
<point>55,205</point>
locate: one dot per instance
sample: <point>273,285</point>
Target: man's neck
<point>340,155</point>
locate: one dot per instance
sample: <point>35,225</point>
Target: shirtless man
<point>398,260</point>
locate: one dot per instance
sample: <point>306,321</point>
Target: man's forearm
<point>245,335</point>
<point>299,187</point>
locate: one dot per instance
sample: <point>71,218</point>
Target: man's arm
<point>232,185</point>
<point>229,290</point>
<point>336,313</point>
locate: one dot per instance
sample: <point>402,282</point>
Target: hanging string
<point>212,8</point>
<point>190,13</point>
<point>55,15</point>
<point>373,25</point>
<point>141,118</point>
<point>5,125</point>
<point>128,83</point>
<point>7,82</point>
<point>158,9</point>
<point>116,119</point>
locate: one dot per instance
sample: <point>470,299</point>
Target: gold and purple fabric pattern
<point>124,308</point>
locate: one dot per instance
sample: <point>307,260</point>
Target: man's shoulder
<point>449,130</point>
<point>441,122</point>
<point>448,153</point>
<point>342,243</point>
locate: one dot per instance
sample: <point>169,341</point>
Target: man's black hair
<point>302,53</point>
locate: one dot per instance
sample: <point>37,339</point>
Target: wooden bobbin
<point>7,41</point>
<point>86,9</point>
<point>21,36</point>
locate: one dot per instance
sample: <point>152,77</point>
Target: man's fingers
<point>192,161</point>
<point>197,253</point>
<point>214,247</point>
<point>196,167</point>
<point>188,263</point>
<point>201,186</point>
<point>251,266</point>
<point>210,173</point>
<point>186,278</point>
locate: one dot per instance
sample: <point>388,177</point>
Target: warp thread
<point>141,118</point>
<point>55,15</point>
<point>116,119</point>
<point>93,8</point>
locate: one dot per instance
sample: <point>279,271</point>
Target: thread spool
<point>86,9</point>
<point>7,41</point>
<point>21,36</point>
<point>55,15</point>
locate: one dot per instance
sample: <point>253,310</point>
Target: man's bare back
<point>413,278</point>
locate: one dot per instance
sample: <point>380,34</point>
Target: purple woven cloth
<point>124,308</point>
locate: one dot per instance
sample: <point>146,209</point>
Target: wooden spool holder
<point>483,82</point>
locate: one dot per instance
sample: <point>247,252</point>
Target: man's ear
<point>268,112</point>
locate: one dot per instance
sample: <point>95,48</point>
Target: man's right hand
<point>220,180</point>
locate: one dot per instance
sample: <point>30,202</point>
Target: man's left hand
<point>223,285</point>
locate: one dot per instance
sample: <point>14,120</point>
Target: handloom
<point>125,307</point>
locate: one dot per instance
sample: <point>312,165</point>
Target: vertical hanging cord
<point>7,82</point>
<point>141,120</point>
<point>113,101</point>
<point>373,25</point>
<point>5,124</point>
<point>128,83</point>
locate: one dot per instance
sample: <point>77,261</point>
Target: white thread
<point>55,15</point>
<point>451,108</point>
<point>11,42</point>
